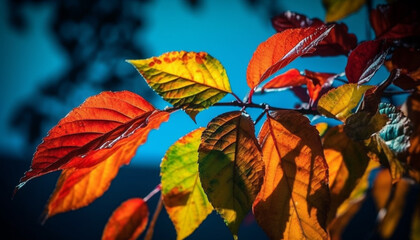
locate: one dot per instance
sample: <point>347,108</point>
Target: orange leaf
<point>77,188</point>
<point>294,198</point>
<point>291,78</point>
<point>281,49</point>
<point>316,81</point>
<point>128,221</point>
<point>90,133</point>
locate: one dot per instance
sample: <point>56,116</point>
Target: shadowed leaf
<point>412,106</point>
<point>339,102</point>
<point>77,188</point>
<point>362,125</point>
<point>231,167</point>
<point>281,49</point>
<point>91,133</point>
<point>338,41</point>
<point>128,221</point>
<point>184,198</point>
<point>294,198</point>
<point>365,60</point>
<point>407,60</point>
<point>338,9</point>
<point>188,80</point>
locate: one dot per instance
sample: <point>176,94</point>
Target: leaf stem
<point>150,230</point>
<point>153,192</point>
<point>236,97</point>
<point>265,107</point>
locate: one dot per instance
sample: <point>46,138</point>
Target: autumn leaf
<point>412,107</point>
<point>338,9</point>
<point>78,187</point>
<point>365,60</point>
<point>362,125</point>
<point>397,131</point>
<point>290,78</point>
<point>347,161</point>
<point>339,102</point>
<point>231,167</point>
<point>397,20</point>
<point>188,80</point>
<point>338,41</point>
<point>294,198</point>
<point>91,133</point>
<point>128,221</point>
<point>183,197</point>
<point>281,49</point>
<point>407,60</point>
<point>318,81</point>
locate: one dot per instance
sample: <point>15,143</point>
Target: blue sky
<point>228,30</point>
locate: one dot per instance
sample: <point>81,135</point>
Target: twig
<point>153,192</point>
<point>150,230</point>
<point>264,106</point>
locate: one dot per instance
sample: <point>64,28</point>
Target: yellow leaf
<point>231,167</point>
<point>338,9</point>
<point>183,196</point>
<point>294,199</point>
<point>188,80</point>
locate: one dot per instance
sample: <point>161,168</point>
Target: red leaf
<point>91,133</point>
<point>291,78</point>
<point>398,20</point>
<point>338,41</point>
<point>281,49</point>
<point>128,221</point>
<point>317,81</point>
<point>365,60</point>
<point>408,61</point>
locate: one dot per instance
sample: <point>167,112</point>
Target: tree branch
<point>264,106</point>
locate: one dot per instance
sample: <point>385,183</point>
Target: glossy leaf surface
<point>188,80</point>
<point>397,131</point>
<point>281,49</point>
<point>294,199</point>
<point>184,198</point>
<point>231,166</point>
<point>347,161</point>
<point>365,60</point>
<point>338,9</point>
<point>338,41</point>
<point>339,102</point>
<point>290,78</point>
<point>90,133</point>
<point>128,221</point>
<point>77,188</point>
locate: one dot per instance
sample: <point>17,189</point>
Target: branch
<point>151,228</point>
<point>265,107</point>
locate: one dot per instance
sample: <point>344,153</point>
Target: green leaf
<point>362,125</point>
<point>188,80</point>
<point>183,196</point>
<point>339,102</point>
<point>396,133</point>
<point>338,9</point>
<point>231,167</point>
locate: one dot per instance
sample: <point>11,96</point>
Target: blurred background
<point>55,54</point>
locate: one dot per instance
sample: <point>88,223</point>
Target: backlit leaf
<point>317,81</point>
<point>188,80</point>
<point>338,41</point>
<point>339,103</point>
<point>78,187</point>
<point>365,60</point>
<point>347,161</point>
<point>294,198</point>
<point>128,221</point>
<point>231,167</point>
<point>362,125</point>
<point>397,131</point>
<point>281,49</point>
<point>183,196</point>
<point>338,9</point>
<point>291,78</point>
<point>397,20</point>
<point>91,133</point>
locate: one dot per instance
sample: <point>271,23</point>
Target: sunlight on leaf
<point>338,9</point>
<point>90,133</point>
<point>188,80</point>
<point>231,166</point>
<point>128,221</point>
<point>184,198</point>
<point>339,102</point>
<point>77,188</point>
<point>290,78</point>
<point>281,49</point>
<point>294,199</point>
